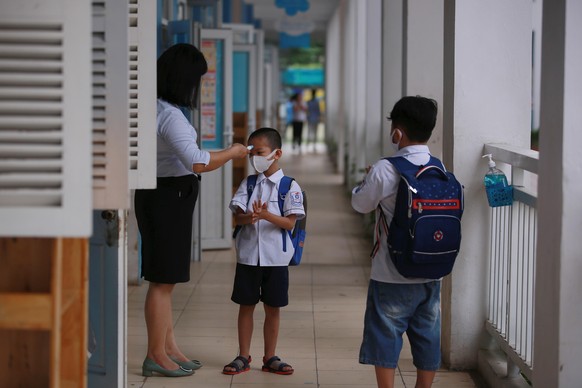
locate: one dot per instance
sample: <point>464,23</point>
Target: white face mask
<point>395,146</point>
<point>262,163</point>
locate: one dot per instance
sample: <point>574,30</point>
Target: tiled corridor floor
<point>321,329</point>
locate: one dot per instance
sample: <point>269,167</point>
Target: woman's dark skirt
<point>164,218</point>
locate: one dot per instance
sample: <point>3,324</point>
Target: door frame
<point>252,96</point>
<point>224,241</point>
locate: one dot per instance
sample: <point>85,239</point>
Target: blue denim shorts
<point>393,309</point>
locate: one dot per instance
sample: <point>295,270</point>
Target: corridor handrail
<point>519,157</point>
<point>510,313</point>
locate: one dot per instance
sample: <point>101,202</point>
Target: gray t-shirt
<point>177,148</point>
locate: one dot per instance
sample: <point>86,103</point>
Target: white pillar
<point>392,46</point>
<point>423,60</point>
<point>373,109</point>
<point>537,62</point>
<point>487,94</point>
<point>350,63</point>
<point>359,62</point>
<point>334,93</point>
<point>558,311</point>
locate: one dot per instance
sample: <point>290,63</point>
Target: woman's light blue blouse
<point>177,148</point>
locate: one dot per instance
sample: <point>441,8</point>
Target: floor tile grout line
<point>211,261</point>
<point>401,377</point>
<point>314,331</point>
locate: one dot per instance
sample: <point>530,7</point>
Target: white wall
<point>487,99</point>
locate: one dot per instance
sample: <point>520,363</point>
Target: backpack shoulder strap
<point>251,183</point>
<point>402,164</point>
<point>284,187</point>
<point>436,162</point>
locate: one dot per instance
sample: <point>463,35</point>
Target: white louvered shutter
<point>110,105</point>
<point>142,94</point>
<point>45,118</point>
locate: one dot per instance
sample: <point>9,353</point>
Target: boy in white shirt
<point>397,304</point>
<point>263,256</point>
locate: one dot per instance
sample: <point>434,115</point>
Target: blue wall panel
<point>240,78</point>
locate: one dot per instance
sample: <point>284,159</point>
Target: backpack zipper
<point>410,189</point>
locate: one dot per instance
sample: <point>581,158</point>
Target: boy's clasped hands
<point>259,211</point>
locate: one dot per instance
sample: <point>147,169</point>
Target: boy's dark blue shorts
<point>267,284</point>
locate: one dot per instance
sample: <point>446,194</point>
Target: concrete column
<point>365,147</point>
<point>537,62</point>
<point>392,54</point>
<point>373,109</point>
<point>487,95</point>
<point>360,85</point>
<point>423,62</point>
<point>558,311</point>
<point>349,75</point>
<point>335,84</point>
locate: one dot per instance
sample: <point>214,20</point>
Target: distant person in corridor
<point>164,214</point>
<point>313,118</point>
<point>397,304</point>
<point>299,117</point>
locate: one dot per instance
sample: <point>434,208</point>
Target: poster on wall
<point>208,92</point>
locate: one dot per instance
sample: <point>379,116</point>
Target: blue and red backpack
<point>424,236</point>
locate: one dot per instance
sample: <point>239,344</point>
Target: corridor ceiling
<point>319,13</point>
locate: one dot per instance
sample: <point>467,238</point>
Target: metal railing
<point>513,232</point>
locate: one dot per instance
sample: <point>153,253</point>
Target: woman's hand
<point>220,158</point>
<point>239,151</point>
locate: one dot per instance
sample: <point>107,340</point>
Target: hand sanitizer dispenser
<point>499,192</point>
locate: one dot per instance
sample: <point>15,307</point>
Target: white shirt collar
<point>413,149</point>
<point>275,177</point>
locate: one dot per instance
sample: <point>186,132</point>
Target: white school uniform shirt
<point>176,147</point>
<point>262,243</point>
<point>380,187</point>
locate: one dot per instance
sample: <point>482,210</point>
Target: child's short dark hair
<point>179,70</point>
<point>416,116</point>
<point>271,134</point>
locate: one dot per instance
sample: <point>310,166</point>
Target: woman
<point>164,215</point>
<point>298,119</point>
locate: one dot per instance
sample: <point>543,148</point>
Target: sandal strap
<point>239,363</point>
<point>280,364</point>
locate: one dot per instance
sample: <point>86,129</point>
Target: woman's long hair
<point>179,70</point>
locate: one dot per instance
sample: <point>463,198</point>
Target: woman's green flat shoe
<point>191,364</point>
<point>149,366</point>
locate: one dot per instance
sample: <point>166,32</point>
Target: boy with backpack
<point>264,248</point>
<point>408,258</point>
